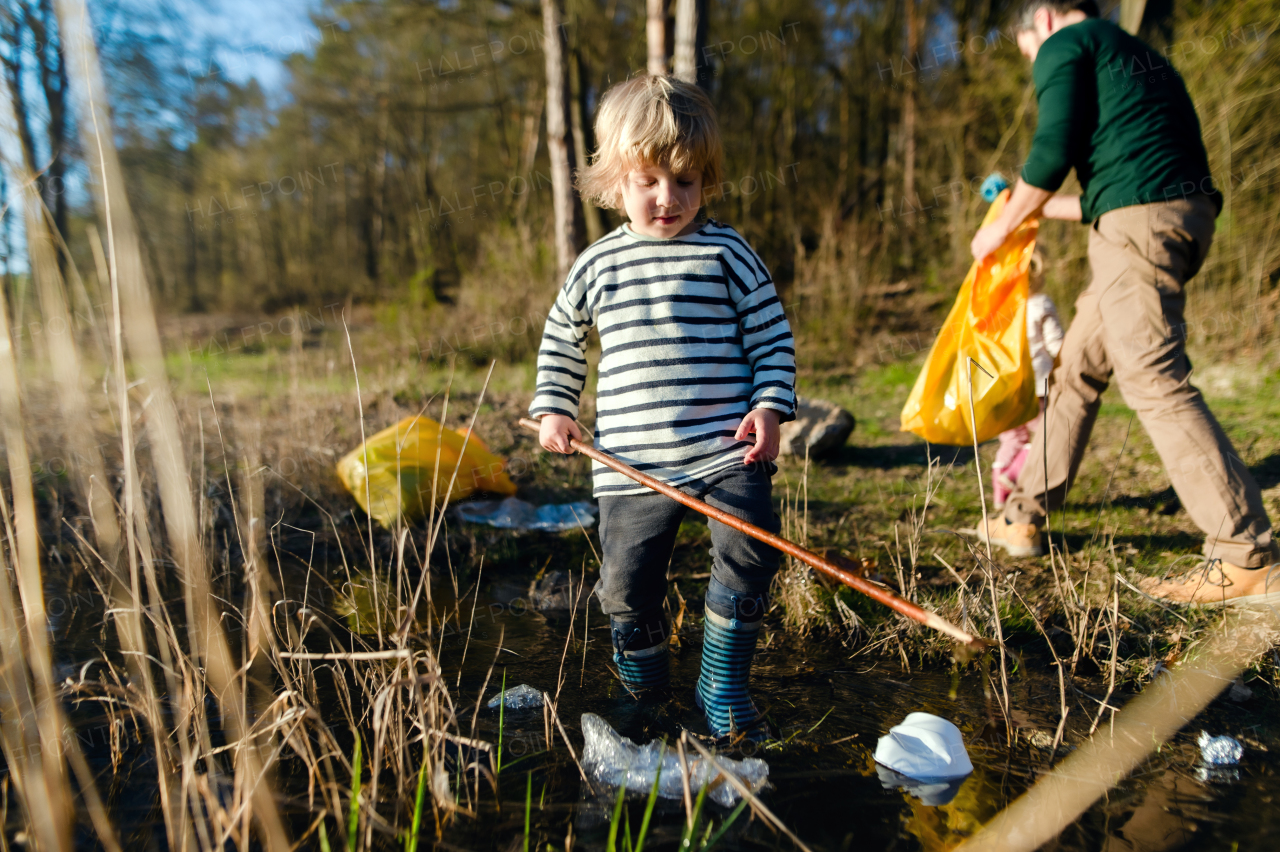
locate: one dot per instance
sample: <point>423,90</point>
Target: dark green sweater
<point>1115,110</point>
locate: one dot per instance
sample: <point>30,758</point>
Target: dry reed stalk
<point>364,444</point>
<point>573,615</point>
<point>1062,677</point>
<point>990,563</point>
<point>207,643</point>
<point>684,779</point>
<point>746,793</point>
<point>139,549</point>
<point>434,710</point>
<point>44,270</point>
<point>475,599</point>
<point>1113,631</point>
<point>30,710</point>
<point>795,587</point>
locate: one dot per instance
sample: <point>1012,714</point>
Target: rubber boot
<point>641,652</point>
<point>730,628</point>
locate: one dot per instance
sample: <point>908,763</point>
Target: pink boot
<point>1014,444</point>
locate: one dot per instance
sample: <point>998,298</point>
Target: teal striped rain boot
<point>641,652</point>
<point>731,625</point>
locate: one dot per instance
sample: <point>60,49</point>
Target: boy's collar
<point>631,232</point>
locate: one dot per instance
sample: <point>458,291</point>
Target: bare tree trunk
<point>191,269</point>
<point>53,82</point>
<point>842,161</point>
<point>1131,14</point>
<point>15,23</point>
<point>583,140</point>
<point>568,222</point>
<point>691,35</point>
<point>8,240</point>
<point>530,135</point>
<point>909,122</point>
<point>1150,20</point>
<point>379,191</point>
<point>656,32</point>
<point>959,225</point>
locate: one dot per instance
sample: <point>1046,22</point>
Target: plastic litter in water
<point>516,514</point>
<point>931,794</point>
<point>613,760</point>
<point>1219,751</point>
<point>925,748</point>
<point>518,698</point>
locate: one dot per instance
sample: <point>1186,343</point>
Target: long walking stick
<point>861,584</point>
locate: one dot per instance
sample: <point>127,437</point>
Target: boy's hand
<point>554,433</point>
<point>763,423</point>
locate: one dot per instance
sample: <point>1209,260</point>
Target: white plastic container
<point>924,747</point>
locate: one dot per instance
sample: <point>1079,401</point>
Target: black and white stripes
<point>692,338</point>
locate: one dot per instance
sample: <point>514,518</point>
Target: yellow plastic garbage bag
<point>395,482</point>
<point>988,323</point>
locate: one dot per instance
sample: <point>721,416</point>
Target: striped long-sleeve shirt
<point>692,338</point>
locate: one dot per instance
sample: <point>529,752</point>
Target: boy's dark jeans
<point>638,533</point>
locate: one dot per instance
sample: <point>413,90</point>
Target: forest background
<point>406,162</point>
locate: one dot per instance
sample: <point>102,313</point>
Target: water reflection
<point>1167,817</point>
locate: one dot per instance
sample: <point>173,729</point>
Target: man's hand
<point>763,423</point>
<point>988,239</point>
<point>1024,202</point>
<point>554,432</point>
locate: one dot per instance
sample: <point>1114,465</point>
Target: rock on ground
<point>556,590</point>
<point>820,426</point>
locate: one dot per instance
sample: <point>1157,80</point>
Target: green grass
<point>502,715</point>
<point>353,814</point>
<point>650,802</point>
<point>419,799</point>
<point>615,821</point>
<point>859,502</point>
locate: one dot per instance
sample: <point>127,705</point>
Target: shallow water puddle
<point>829,709</point>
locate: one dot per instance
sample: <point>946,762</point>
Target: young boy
<point>696,358</point>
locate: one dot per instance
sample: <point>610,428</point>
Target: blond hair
<point>1036,270</point>
<point>652,120</point>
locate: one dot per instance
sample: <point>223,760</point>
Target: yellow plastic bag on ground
<point>401,464</point>
<point>988,323</point>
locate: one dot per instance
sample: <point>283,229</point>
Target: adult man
<point>1115,111</point>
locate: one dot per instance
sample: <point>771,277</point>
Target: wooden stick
<point>861,584</point>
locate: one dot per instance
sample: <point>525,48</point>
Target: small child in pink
<point>1044,334</point>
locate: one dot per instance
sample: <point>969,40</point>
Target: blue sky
<point>253,37</point>
<point>255,34</point>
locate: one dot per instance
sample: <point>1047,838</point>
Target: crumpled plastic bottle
<point>520,697</point>
<point>612,759</point>
<point>1219,751</point>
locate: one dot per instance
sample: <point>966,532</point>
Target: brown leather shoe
<point>1216,583</point>
<point>1017,539</point>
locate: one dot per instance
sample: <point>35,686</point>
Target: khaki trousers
<point>1129,323</point>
